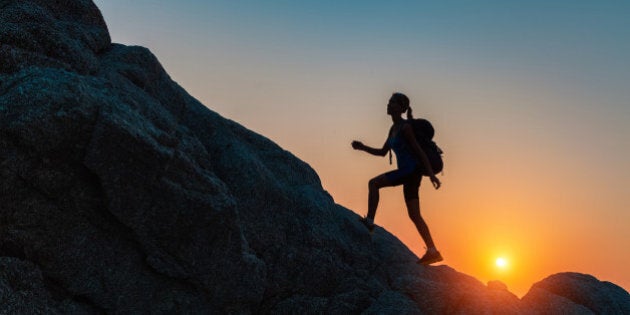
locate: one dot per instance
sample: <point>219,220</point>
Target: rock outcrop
<point>574,293</point>
<point>120,193</point>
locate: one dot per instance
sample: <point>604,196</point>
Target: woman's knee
<point>375,183</point>
<point>413,209</point>
<point>372,185</point>
<point>414,215</point>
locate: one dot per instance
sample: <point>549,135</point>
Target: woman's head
<point>398,104</point>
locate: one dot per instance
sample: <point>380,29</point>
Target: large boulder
<point>577,293</point>
<point>121,193</point>
<point>64,34</point>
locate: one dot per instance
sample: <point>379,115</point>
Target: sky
<point>530,102</point>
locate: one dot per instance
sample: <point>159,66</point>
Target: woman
<point>412,161</point>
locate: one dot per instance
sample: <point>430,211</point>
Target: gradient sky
<point>531,102</point>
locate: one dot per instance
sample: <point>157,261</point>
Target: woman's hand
<point>358,145</point>
<point>436,182</point>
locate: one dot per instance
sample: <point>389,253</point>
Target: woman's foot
<point>430,257</point>
<point>369,223</point>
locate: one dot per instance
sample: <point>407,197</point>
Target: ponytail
<point>409,114</point>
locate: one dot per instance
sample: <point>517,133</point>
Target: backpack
<point>424,132</point>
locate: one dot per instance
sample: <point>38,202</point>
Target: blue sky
<point>577,43</point>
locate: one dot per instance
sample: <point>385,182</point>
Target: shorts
<point>409,178</point>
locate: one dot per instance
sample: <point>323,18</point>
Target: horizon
<point>529,102</point>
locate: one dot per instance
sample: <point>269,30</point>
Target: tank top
<point>405,159</point>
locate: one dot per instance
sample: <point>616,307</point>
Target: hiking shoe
<point>430,257</point>
<point>369,223</point>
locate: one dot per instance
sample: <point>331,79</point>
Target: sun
<point>501,263</point>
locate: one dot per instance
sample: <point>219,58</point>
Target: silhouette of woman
<point>412,161</point>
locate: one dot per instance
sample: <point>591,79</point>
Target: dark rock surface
<point>120,193</point>
<point>577,293</point>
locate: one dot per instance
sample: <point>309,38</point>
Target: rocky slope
<point>120,193</point>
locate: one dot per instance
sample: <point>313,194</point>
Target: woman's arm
<point>424,159</point>
<point>358,145</point>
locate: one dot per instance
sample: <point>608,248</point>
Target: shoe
<point>369,223</point>
<point>430,257</point>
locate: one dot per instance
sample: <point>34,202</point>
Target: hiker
<point>412,163</point>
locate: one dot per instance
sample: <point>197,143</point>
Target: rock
<point>393,302</point>
<point>22,289</point>
<point>497,285</point>
<point>65,34</point>
<point>121,193</point>
<point>577,294</point>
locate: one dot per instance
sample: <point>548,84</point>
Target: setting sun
<point>501,262</point>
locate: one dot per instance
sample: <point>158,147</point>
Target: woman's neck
<point>397,119</point>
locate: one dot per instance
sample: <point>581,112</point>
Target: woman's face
<point>394,108</point>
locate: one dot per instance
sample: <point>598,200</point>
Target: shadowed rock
<point>120,193</point>
<point>577,294</point>
<point>64,34</point>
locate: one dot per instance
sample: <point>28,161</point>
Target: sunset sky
<point>530,100</point>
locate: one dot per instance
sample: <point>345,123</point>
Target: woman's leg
<point>412,201</point>
<point>432,255</point>
<point>374,185</point>
<point>413,209</point>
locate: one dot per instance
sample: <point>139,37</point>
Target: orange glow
<point>501,263</point>
<point>479,216</point>
<point>538,208</point>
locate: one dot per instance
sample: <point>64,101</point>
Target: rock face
<point>120,193</point>
<point>574,293</point>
